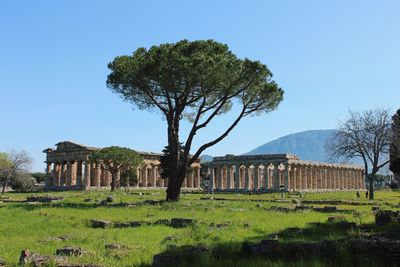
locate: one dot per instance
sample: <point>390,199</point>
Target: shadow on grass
<point>85,205</point>
<point>317,244</point>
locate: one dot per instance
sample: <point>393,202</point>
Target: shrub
<point>393,185</point>
<point>23,183</point>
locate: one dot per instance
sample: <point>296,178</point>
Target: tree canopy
<point>116,159</point>
<point>196,81</point>
<point>11,163</point>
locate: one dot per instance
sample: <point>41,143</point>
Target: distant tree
<point>365,135</point>
<point>196,81</point>
<point>39,176</point>
<point>5,167</point>
<point>395,144</point>
<point>20,162</point>
<point>116,159</point>
<point>128,178</point>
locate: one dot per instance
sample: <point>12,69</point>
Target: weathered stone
<point>222,225</point>
<point>112,246</point>
<point>302,208</point>
<point>296,201</point>
<point>69,251</point>
<point>272,236</point>
<point>187,254</point>
<point>182,222</point>
<point>104,203</point>
<point>43,199</point>
<point>110,199</point>
<point>100,223</point>
<point>87,199</point>
<point>2,262</point>
<point>135,224</point>
<point>34,259</point>
<point>122,225</point>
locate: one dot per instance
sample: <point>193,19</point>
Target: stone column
<point>86,178</point>
<point>246,178</point>
<point>271,176</point>
<point>49,180</point>
<point>305,178</point>
<point>212,184</point>
<point>299,174</point>
<point>294,178</point>
<point>145,177</point>
<point>57,173</point>
<point>68,174</point>
<point>197,177</point>
<point>73,173</point>
<point>97,175</point>
<point>286,179</point>
<point>235,172</point>
<point>311,180</point>
<point>139,179</point>
<point>154,176</point>
<point>276,177</point>
<point>228,177</point>
<point>256,176</point>
<point>266,175</point>
<point>79,173</point>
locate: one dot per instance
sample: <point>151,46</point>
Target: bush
<point>23,183</point>
<point>393,185</point>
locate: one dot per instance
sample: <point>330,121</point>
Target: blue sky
<point>328,56</point>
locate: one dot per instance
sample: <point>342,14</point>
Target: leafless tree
<point>21,161</point>
<point>366,135</point>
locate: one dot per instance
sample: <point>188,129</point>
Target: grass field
<point>39,226</point>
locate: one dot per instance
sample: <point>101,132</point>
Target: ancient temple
<point>279,172</point>
<point>68,168</point>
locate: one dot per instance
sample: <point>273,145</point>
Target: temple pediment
<point>68,145</point>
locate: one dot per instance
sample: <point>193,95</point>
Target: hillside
<point>308,145</point>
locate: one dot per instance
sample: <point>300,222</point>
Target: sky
<point>328,57</point>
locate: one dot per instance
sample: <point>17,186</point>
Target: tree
<point>116,159</point>
<point>395,144</point>
<point>15,162</point>
<point>365,135</point>
<point>39,176</point>
<point>5,166</point>
<point>128,178</point>
<point>196,81</point>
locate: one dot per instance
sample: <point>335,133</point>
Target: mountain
<point>205,158</point>
<point>307,145</point>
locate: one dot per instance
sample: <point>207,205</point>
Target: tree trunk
<point>4,188</point>
<point>112,182</point>
<point>6,183</point>
<point>371,187</point>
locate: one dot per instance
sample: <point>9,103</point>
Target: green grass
<point>35,226</point>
